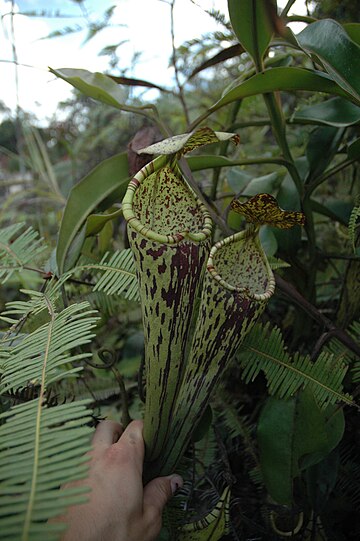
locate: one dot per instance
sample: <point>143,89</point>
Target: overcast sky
<point>145,24</point>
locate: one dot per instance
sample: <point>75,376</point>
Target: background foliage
<point>294,101</point>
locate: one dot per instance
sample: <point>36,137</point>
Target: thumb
<point>159,491</point>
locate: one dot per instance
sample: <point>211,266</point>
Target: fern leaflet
<point>119,274</point>
<point>47,348</point>
<point>43,447</point>
<point>264,349</point>
<point>17,249</point>
<point>354,222</point>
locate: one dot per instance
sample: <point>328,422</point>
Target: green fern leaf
<point>119,274</point>
<point>355,332</point>
<point>40,449</point>
<point>47,348</point>
<point>354,223</point>
<point>264,349</point>
<point>17,249</point>
<point>38,301</point>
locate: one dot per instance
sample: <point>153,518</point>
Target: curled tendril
<point>108,356</point>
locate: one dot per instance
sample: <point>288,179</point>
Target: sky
<point>144,25</point>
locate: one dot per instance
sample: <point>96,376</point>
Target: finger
<point>159,491</point>
<point>107,433</point>
<point>133,441</point>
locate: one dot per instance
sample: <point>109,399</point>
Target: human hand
<point>119,508</point>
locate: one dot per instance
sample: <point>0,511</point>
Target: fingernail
<point>176,482</point>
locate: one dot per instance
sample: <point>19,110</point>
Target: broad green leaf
<point>286,79</point>
<point>187,142</point>
<point>321,148</point>
<point>108,177</point>
<point>339,213</point>
<point>244,183</point>
<point>252,26</point>
<point>211,527</point>
<point>203,425</point>
<point>334,112</point>
<point>292,436</point>
<point>353,30</point>
<point>95,222</point>
<point>330,43</point>
<point>98,86</point>
<point>289,241</point>
<point>321,479</point>
<point>208,161</point>
<point>268,242</point>
<point>354,150</point>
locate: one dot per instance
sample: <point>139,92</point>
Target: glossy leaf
<point>264,209</point>
<point>252,26</point>
<point>330,43</point>
<point>203,425</point>
<point>109,176</point>
<point>321,148</point>
<point>224,54</point>
<point>187,142</point>
<point>321,479</point>
<point>95,222</point>
<point>353,31</point>
<point>208,161</point>
<point>130,81</point>
<point>354,150</point>
<point>98,86</point>
<point>286,79</point>
<point>244,183</point>
<point>289,240</point>
<point>293,434</point>
<point>334,112</point>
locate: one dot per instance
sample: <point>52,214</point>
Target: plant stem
<point>174,63</point>
<point>290,291</point>
<point>287,8</point>
<point>223,149</point>
<point>327,174</point>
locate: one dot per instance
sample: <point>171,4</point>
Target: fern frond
<point>43,447</point>
<point>17,249</point>
<point>119,274</point>
<point>40,449</point>
<point>264,349</point>
<point>47,348</point>
<point>37,302</point>
<point>355,333</point>
<point>354,222</point>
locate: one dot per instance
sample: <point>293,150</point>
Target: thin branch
<point>291,292</point>
<point>329,173</point>
<point>174,62</point>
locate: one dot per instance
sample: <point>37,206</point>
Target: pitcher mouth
<point>167,202</point>
<point>234,272</point>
